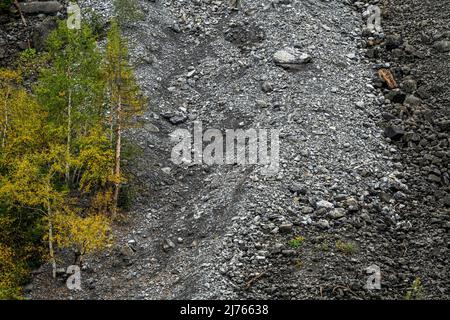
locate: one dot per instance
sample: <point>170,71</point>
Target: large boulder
<point>442,46</point>
<point>291,58</point>
<point>36,7</point>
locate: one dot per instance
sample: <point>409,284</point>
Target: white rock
<point>291,58</point>
<point>324,204</point>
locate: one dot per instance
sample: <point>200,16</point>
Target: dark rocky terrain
<point>364,170</point>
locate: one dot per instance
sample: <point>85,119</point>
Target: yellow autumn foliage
<point>83,234</point>
<point>101,203</point>
<point>60,149</point>
<point>9,76</point>
<point>12,274</point>
<point>96,159</point>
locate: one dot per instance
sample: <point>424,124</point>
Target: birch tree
<point>71,88</point>
<point>125,101</point>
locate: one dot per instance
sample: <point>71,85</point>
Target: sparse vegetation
<point>297,242</point>
<point>416,290</point>
<point>298,264</point>
<point>347,248</point>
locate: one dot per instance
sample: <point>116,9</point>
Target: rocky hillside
<point>364,169</point>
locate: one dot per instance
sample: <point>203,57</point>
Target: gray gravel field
<point>364,173</point>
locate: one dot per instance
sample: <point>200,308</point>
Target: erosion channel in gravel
<point>346,200</point>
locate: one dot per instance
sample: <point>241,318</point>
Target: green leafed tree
<point>71,90</point>
<point>125,100</point>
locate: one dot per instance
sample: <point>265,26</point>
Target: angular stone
<point>412,101</point>
<point>177,120</point>
<point>352,204</point>
<point>291,58</point>
<point>394,133</point>
<point>442,46</point>
<point>298,189</point>
<point>126,251</point>
<point>393,41</point>
<point>168,244</point>
<point>324,204</point>
<point>446,201</point>
<point>323,223</point>
<point>285,228</point>
<point>262,103</point>
<point>267,87</point>
<point>288,252</point>
<point>409,86</point>
<point>396,96</point>
<point>337,213</point>
<point>434,178</point>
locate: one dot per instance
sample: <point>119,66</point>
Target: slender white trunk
<point>50,243</point>
<point>118,134</point>
<point>69,129</point>
<point>117,156</point>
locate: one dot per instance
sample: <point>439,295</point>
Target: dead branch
<point>16,4</point>
<point>254,279</point>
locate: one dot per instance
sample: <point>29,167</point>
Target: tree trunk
<point>111,127</point>
<point>77,259</point>
<point>5,126</point>
<point>118,137</point>
<point>50,243</point>
<point>69,129</point>
<point>118,133</point>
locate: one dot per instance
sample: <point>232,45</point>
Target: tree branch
<point>16,4</point>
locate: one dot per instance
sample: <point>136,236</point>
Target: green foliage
<point>297,242</point>
<point>124,98</point>
<point>20,249</point>
<point>73,80</point>
<point>347,248</point>
<point>416,291</point>
<point>28,54</point>
<point>121,84</point>
<point>59,150</point>
<point>126,196</point>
